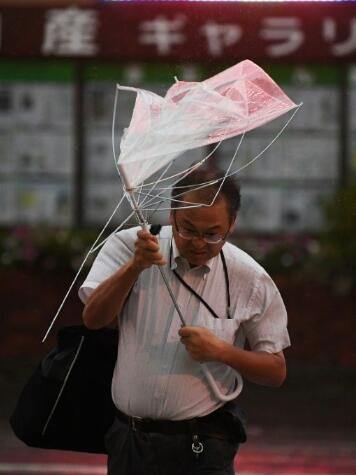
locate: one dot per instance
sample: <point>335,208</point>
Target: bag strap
<point>199,297</point>
<point>227,282</point>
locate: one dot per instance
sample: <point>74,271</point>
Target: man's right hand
<point>147,252</point>
<point>107,299</point>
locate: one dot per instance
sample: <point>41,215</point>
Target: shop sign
<point>183,31</point>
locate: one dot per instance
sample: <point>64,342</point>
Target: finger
<point>161,262</point>
<point>184,337</point>
<point>149,257</point>
<point>186,331</point>
<point>146,235</point>
<point>186,345</point>
<point>151,254</point>
<point>193,353</point>
<point>147,246</point>
<point>158,260</point>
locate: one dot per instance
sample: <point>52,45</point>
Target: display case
<point>282,191</point>
<point>36,144</point>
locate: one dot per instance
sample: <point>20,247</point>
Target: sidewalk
<point>306,427</point>
<point>286,456</point>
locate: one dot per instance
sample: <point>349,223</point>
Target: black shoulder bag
<point>66,404</point>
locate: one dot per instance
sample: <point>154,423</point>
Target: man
<point>168,419</point>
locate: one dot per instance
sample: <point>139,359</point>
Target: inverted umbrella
<point>194,114</point>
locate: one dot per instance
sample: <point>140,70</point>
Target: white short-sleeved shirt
<point>154,375</point>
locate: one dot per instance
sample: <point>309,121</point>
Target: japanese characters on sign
<point>126,32</point>
<point>340,48</point>
<point>218,36</point>
<point>70,32</point>
<point>278,36</point>
<point>163,33</point>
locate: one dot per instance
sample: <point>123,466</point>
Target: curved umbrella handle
<point>216,390</point>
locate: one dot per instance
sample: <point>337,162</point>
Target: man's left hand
<point>201,344</point>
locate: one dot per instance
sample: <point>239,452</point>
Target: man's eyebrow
<point>186,222</point>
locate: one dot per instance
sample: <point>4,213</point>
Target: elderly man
<point>168,420</point>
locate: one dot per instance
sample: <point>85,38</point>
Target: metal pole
<point>143,224</point>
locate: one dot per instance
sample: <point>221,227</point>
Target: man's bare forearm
<point>259,367</point>
<point>264,368</point>
<point>108,298</point>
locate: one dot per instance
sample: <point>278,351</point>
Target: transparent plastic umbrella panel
<point>194,114</point>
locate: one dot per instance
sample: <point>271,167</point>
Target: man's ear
<point>233,224</point>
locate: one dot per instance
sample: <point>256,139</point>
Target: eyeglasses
<point>209,238</point>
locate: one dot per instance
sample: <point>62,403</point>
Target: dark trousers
<point>133,452</point>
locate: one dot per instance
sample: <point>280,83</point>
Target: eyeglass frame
<point>198,235</point>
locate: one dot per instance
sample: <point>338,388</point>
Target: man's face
<point>202,221</point>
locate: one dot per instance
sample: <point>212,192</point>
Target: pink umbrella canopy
<point>194,114</point>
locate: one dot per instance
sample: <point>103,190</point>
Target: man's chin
<point>198,259</point>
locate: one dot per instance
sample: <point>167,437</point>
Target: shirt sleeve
<point>266,326</point>
<point>117,250</point>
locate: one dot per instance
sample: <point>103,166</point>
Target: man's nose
<point>198,242</point>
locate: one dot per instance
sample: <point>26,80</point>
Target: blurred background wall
<point>59,63</point>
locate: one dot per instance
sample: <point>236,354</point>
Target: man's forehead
<point>206,197</point>
<point>217,213</point>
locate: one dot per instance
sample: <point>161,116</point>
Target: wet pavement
<point>306,427</point>
<point>315,456</point>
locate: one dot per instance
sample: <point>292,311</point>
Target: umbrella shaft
<point>143,223</point>
<point>172,296</point>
